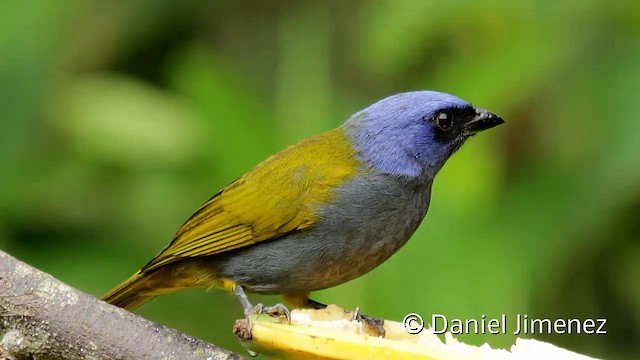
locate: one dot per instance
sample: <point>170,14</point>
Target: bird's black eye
<point>444,120</point>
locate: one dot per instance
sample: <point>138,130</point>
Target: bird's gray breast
<point>372,216</point>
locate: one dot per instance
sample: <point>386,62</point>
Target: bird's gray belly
<point>373,216</point>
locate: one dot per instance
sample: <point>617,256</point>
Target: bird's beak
<point>482,121</point>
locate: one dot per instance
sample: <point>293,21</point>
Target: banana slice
<point>331,334</point>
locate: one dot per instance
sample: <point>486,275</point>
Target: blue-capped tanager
<point>322,212</point>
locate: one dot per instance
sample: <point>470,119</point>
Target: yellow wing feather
<point>277,197</point>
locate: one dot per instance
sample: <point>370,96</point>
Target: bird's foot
<point>278,311</point>
<point>373,325</point>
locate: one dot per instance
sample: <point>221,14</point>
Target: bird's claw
<point>278,311</point>
<point>255,310</point>
<point>372,324</point>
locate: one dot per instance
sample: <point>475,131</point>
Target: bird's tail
<point>146,284</point>
<point>132,293</point>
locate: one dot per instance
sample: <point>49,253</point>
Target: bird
<point>319,213</point>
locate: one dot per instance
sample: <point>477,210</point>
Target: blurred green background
<point>120,118</point>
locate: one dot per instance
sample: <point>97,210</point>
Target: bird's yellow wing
<point>277,197</point>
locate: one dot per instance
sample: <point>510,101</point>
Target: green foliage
<point>120,118</point>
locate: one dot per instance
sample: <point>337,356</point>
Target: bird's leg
<point>278,310</point>
<point>375,325</point>
<point>249,309</point>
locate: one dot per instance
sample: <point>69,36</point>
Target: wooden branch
<point>43,318</point>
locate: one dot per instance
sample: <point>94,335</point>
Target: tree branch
<point>43,318</point>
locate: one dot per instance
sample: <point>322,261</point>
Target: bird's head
<point>413,134</point>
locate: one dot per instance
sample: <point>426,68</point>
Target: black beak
<point>482,121</point>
